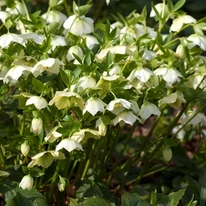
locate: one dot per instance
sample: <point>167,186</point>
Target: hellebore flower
<point>25,148</point>
<point>37,126</point>
<point>198,40</point>
<point>79,25</point>
<point>69,145</point>
<point>27,182</point>
<point>8,38</point>
<point>50,65</point>
<point>53,135</point>
<point>118,105</point>
<point>63,99</point>
<point>94,105</point>
<point>126,117</point>
<point>45,159</point>
<point>148,109</point>
<point>162,10</point>
<point>178,23</point>
<point>38,102</point>
<point>85,82</point>
<point>74,50</point>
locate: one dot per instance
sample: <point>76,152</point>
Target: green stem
<point>54,181</point>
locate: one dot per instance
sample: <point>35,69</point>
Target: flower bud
<point>36,125</point>
<point>25,148</point>
<point>27,182</point>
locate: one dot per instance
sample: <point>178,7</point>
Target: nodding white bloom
<point>162,10</point>
<point>79,25</point>
<point>77,51</point>
<point>15,72</point>
<point>198,40</point>
<point>180,51</point>
<point>198,81</point>
<point>25,148</point>
<point>53,135</point>
<point>69,145</point>
<point>8,38</point>
<point>18,9</point>
<point>145,30</point>
<point>170,75</point>
<point>85,82</point>
<point>143,74</point>
<point>125,117</point>
<point>119,49</point>
<point>194,119</point>
<point>54,16</point>
<point>37,38</point>
<point>38,102</point>
<point>58,40</point>
<point>174,99</point>
<point>181,133</point>
<point>27,182</point>
<point>37,126</point>
<point>51,65</point>
<point>91,41</point>
<point>85,134</point>
<point>127,34</point>
<point>45,159</point>
<point>178,23</point>
<point>94,105</point>
<point>101,127</point>
<point>64,99</point>
<point>118,105</point>
<point>148,55</point>
<point>148,109</point>
<point>3,16</point>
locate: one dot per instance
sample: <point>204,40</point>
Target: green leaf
<point>4,173</point>
<point>66,78</point>
<point>38,86</point>
<point>133,199</point>
<point>10,3</point>
<point>172,199</point>
<point>95,202</point>
<point>179,4</point>
<point>203,191</point>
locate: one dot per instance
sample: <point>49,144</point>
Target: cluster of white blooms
<point>123,76</point>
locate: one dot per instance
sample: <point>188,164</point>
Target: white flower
<point>85,134</point>
<point>3,16</point>
<point>8,38</point>
<point>17,9</point>
<point>128,34</point>
<point>58,41</point>
<point>194,119</point>
<point>148,55</point>
<point>50,65</point>
<point>53,135</point>
<point>85,82</point>
<point>170,75</point>
<point>69,145</point>
<point>54,16</point>
<point>94,105</point>
<point>37,38</point>
<point>178,23</point>
<point>141,30</point>
<point>148,109</point>
<point>162,10</point>
<point>79,25</point>
<point>36,126</point>
<point>27,182</point>
<point>198,81</point>
<point>15,72</point>
<point>63,99</point>
<point>38,102</point>
<point>74,50</point>
<point>118,105</point>
<point>25,148</point>
<point>143,74</point>
<point>180,51</point>
<point>198,40</point>
<point>126,117</point>
<point>101,127</point>
<point>45,159</point>
<point>181,134</point>
<point>91,41</point>
<point>174,99</point>
<point>119,49</point>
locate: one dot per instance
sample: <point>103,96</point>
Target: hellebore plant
<point>73,93</point>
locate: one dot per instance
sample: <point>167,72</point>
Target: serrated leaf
<point>133,199</point>
<point>95,202</point>
<point>179,4</point>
